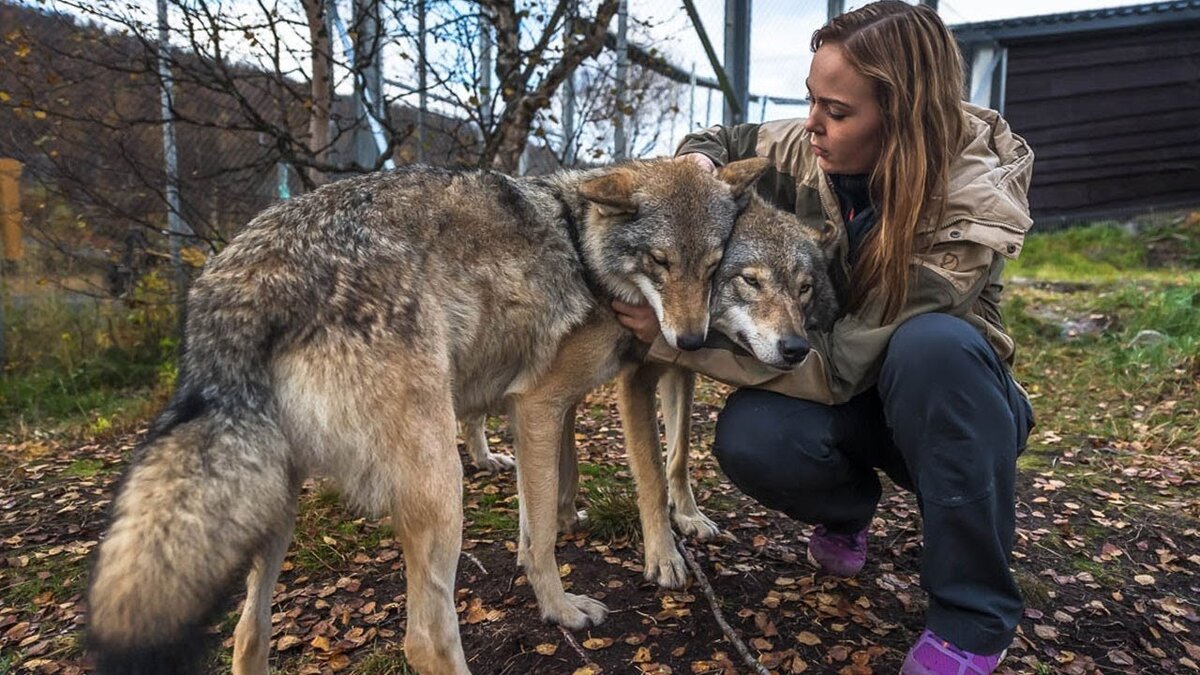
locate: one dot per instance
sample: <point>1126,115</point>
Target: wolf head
<point>773,285</point>
<point>656,233</point>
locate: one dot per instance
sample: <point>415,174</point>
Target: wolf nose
<point>794,348</point>
<point>690,342</point>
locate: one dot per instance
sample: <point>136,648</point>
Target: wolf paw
<point>695,525</point>
<point>495,463</point>
<point>572,521</point>
<point>667,569</point>
<point>576,612</point>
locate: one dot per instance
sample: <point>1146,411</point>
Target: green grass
<point>1108,389</point>
<point>1107,251</point>
<point>613,513</point>
<point>56,575</point>
<point>84,468</point>
<point>1095,251</point>
<point>84,367</point>
<point>492,521</point>
<point>385,661</point>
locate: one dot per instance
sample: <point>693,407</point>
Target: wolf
<point>773,286</point>
<point>340,333</point>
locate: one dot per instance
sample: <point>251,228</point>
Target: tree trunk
<point>322,90</point>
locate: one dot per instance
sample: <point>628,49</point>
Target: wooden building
<point>1109,100</point>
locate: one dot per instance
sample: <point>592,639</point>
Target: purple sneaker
<point>841,555</point>
<point>931,655</point>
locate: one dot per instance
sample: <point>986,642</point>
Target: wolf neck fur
<point>581,218</point>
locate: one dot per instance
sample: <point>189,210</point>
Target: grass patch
<point>81,366</point>
<point>491,521</point>
<point>1118,393</point>
<point>1151,247</point>
<point>84,468</point>
<point>613,513</point>
<point>53,575</point>
<point>387,661</point>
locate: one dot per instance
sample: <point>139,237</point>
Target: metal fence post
<point>620,149</point>
<point>176,227</point>
<point>568,121</point>
<point>835,8</point>
<point>737,58</point>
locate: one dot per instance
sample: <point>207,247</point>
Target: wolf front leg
<point>539,424</point>
<point>676,388</point>
<point>635,392</point>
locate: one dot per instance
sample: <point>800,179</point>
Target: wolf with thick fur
<point>773,286</point>
<point>340,333</point>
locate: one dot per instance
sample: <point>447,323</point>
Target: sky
<point>780,31</point>
<point>779,52</point>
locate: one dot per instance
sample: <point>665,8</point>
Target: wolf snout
<point>794,348</point>
<point>690,341</point>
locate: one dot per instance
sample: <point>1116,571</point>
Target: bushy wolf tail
<point>208,486</point>
<point>195,506</point>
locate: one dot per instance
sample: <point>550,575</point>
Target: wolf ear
<point>743,173</point>
<point>828,237</point>
<point>612,192</point>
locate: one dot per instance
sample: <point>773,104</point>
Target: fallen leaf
<point>1120,658</point>
<point>598,643</point>
<point>546,649</point>
<point>1046,632</point>
<point>807,638</point>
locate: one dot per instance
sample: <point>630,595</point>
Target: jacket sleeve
<point>722,144</point>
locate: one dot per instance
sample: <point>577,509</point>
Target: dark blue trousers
<point>946,421</point>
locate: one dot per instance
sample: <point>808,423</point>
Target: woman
<point>929,194</point>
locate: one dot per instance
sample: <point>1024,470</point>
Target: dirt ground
<point>1108,557</point>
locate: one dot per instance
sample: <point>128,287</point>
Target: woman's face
<point>844,119</point>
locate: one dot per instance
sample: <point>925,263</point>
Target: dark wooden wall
<point>1113,118</point>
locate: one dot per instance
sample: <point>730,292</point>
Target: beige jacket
<point>958,265</point>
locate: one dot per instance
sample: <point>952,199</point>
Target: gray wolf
<point>773,286</point>
<point>340,334</point>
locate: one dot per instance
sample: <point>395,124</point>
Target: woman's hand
<point>640,319</point>
<point>698,159</point>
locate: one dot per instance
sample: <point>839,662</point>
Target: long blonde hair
<point>914,63</point>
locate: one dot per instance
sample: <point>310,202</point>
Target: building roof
<point>1047,25</point>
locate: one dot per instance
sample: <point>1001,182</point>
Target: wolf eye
<point>804,288</point>
<point>750,281</point>
<point>660,258</point>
